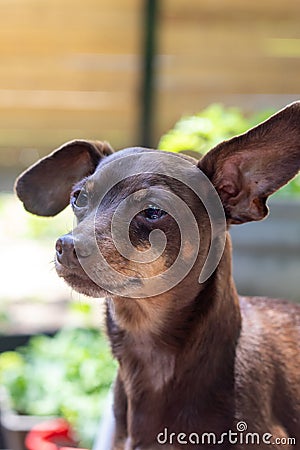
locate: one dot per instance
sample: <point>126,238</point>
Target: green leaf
<point>202,131</point>
<point>66,375</point>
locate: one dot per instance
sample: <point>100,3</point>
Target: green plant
<point>67,375</point>
<point>202,131</point>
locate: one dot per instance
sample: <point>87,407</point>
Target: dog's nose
<point>65,252</point>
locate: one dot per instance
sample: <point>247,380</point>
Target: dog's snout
<point>65,252</point>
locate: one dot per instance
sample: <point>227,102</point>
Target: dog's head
<point>140,212</point>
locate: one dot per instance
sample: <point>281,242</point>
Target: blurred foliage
<point>17,222</point>
<point>68,375</point>
<point>5,320</point>
<point>204,130</point>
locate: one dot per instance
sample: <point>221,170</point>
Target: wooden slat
<point>226,50</point>
<point>72,68</point>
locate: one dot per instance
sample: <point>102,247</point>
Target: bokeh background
<point>74,69</point>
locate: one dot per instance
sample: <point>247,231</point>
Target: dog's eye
<point>153,213</point>
<point>79,199</point>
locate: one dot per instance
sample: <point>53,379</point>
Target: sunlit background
<point>83,69</point>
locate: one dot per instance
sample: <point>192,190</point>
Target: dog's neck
<point>190,307</point>
<point>199,336</point>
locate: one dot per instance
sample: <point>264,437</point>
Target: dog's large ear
<point>246,169</point>
<point>45,187</point>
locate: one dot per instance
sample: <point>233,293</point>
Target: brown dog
<point>199,367</point>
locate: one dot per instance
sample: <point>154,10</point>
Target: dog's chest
<point>155,365</point>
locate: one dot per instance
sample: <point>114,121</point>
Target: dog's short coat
<point>197,358</point>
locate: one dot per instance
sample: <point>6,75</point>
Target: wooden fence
<point>72,68</point>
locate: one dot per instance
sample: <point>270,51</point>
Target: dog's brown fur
<point>197,358</point>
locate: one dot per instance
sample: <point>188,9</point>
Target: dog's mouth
<point>78,279</point>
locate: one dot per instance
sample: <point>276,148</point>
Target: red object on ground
<point>53,434</point>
